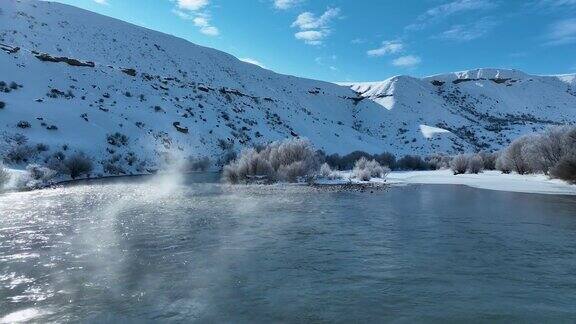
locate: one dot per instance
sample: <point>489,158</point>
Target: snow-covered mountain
<point>73,79</point>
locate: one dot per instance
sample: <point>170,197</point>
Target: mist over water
<point>174,249</point>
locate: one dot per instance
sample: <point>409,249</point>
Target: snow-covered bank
<point>492,180</point>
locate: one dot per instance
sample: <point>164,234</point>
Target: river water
<point>167,250</point>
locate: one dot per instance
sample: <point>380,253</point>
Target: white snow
<point>429,131</point>
<point>492,180</point>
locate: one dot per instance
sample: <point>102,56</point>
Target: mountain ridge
<point>170,97</point>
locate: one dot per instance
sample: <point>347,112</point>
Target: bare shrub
<point>20,154</point>
<point>475,164</point>
<point>365,169</point>
<point>77,165</point>
<point>117,139</point>
<point>347,162</point>
<point>439,161</point>
<point>565,169</point>
<point>112,168</point>
<point>131,158</point>
<point>19,139</point>
<point>386,159</point>
<point>56,162</point>
<point>197,164</point>
<point>41,147</point>
<point>459,164</point>
<point>412,162</point>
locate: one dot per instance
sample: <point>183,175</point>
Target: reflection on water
<point>161,250</point>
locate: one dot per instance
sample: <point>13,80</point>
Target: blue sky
<point>368,40</point>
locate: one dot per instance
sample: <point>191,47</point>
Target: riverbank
<point>491,180</point>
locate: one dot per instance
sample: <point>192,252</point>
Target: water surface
<point>156,251</point>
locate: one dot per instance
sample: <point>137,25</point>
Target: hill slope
<point>73,79</point>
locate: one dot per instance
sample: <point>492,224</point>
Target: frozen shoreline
<point>491,180</point>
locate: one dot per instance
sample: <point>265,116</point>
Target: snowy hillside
<point>132,98</point>
<point>484,107</point>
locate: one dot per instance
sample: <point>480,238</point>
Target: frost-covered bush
<point>290,160</point>
<point>503,163</point>
<point>552,152</point>
<point>467,163</point>
<point>439,161</point>
<point>488,160</point>
<point>251,165</point>
<point>326,172</point>
<point>41,173</point>
<point>77,165</point>
<point>365,170</point>
<point>4,177</point>
<point>516,155</point>
<point>36,176</point>
<point>475,164</point>
<point>459,164</point>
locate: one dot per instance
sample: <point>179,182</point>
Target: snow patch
<point>430,131</point>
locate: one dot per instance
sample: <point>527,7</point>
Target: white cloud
<point>408,61</point>
<point>210,31</point>
<point>285,4</point>
<point>190,10</point>
<point>562,32</point>
<point>311,37</point>
<point>308,20</point>
<point>102,2</point>
<point>388,47</point>
<point>314,29</point>
<point>252,61</point>
<point>192,5</point>
<point>468,32</point>
<point>448,9</point>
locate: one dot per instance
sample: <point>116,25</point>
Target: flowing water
<point>156,250</point>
